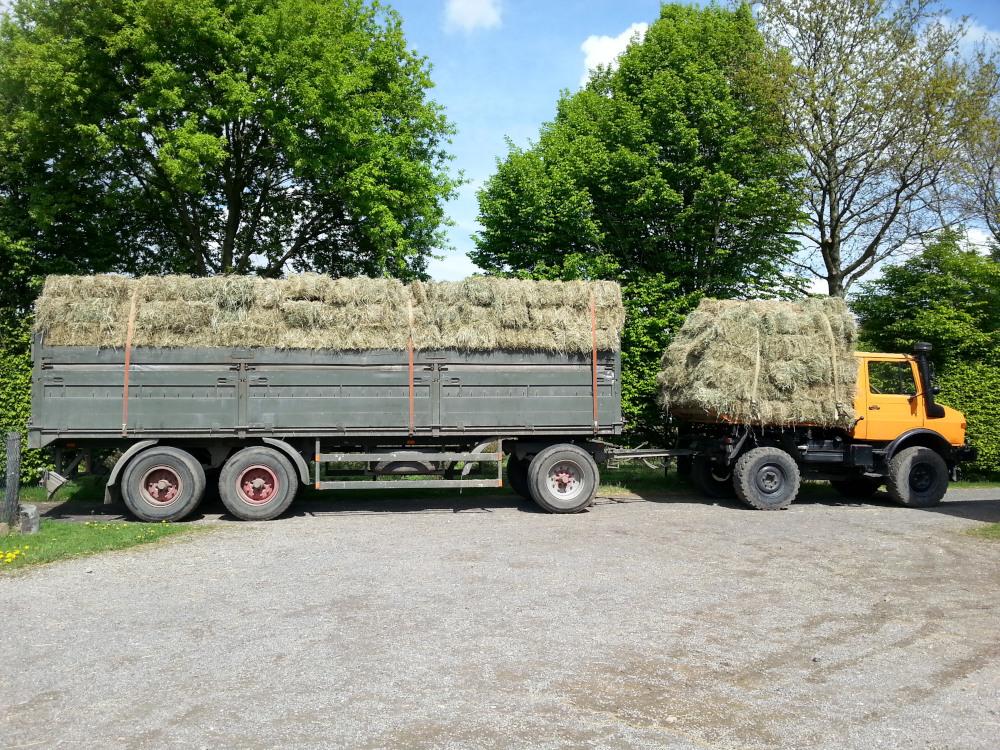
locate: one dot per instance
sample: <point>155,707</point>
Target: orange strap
<point>409,347</point>
<point>593,360</point>
<point>129,334</point>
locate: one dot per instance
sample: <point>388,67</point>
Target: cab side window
<point>894,378</point>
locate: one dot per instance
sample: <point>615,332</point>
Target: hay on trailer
<point>312,311</point>
<point>764,362</point>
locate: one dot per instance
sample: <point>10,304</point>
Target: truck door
<point>888,388</point>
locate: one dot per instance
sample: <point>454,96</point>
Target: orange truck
<point>902,439</point>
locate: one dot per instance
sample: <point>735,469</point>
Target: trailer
<point>269,421</point>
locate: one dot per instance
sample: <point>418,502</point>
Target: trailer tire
<point>918,477</point>
<point>162,484</point>
<point>857,487</point>
<point>257,484</point>
<point>767,478</point>
<point>563,479</point>
<point>517,476</point>
<point>708,481</point>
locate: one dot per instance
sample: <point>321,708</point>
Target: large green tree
<point>672,173</point>
<point>215,136</point>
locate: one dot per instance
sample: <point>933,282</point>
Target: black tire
<point>162,484</point>
<point>857,487</point>
<point>563,479</point>
<point>918,477</point>
<point>712,480</point>
<point>258,484</point>
<point>517,476</point>
<point>766,478</point>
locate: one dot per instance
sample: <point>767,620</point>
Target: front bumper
<point>966,453</point>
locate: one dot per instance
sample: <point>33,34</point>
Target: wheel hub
<point>257,485</point>
<point>161,485</point>
<point>770,479</point>
<point>564,480</point>
<point>921,478</point>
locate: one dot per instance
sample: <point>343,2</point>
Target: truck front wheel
<point>563,479</point>
<point>258,484</point>
<point>163,484</point>
<point>918,477</point>
<point>766,478</point>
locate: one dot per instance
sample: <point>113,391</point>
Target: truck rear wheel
<point>517,476</point>
<point>563,479</point>
<point>712,480</point>
<point>258,484</point>
<point>918,477</point>
<point>163,484</point>
<point>766,478</point>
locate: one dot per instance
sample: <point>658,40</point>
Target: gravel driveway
<point>381,624</point>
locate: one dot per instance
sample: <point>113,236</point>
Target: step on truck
<point>902,439</point>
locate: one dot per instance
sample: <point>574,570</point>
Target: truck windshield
<point>891,378</point>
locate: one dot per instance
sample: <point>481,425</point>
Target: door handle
<point>874,407</point>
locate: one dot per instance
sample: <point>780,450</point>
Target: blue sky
<point>499,66</point>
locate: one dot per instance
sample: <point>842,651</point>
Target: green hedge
<point>15,400</point>
<point>974,388</point>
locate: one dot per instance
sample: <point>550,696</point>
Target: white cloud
<point>975,37</point>
<point>453,266</point>
<point>604,50</point>
<point>469,15</point>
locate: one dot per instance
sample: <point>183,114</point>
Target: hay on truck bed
<point>764,362</point>
<point>313,311</point>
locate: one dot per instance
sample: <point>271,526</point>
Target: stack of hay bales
<point>764,362</point>
<point>312,311</point>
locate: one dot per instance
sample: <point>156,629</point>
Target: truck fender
<point>111,488</point>
<point>300,463</point>
<point>921,436</point>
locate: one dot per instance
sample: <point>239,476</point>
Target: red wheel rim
<point>161,485</point>
<point>257,485</point>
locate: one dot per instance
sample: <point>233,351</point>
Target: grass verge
<point>987,531</point>
<point>58,540</point>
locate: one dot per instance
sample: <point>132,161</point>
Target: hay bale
<point>764,362</point>
<point>312,311</point>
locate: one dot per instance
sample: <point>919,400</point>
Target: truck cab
<point>894,400</point>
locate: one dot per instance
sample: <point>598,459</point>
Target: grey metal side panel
<point>77,393</point>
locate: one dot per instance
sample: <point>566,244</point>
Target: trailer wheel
<point>517,476</point>
<point>711,480</point>
<point>563,479</point>
<point>918,477</point>
<point>766,478</point>
<point>857,488</point>
<point>162,484</point>
<point>257,484</point>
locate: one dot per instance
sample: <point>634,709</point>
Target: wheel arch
<point>922,438</point>
<point>293,455</point>
<point>111,487</point>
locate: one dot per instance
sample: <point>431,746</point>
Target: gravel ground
<point>481,623</point>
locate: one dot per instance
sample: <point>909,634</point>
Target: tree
<point>977,189</point>
<point>881,102</point>
<point>671,173</point>
<point>216,136</point>
<point>948,295</point>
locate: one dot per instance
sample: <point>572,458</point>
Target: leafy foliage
<point>15,399</point>
<point>974,389</point>
<point>947,295</point>
<point>207,136</point>
<point>672,174</point>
